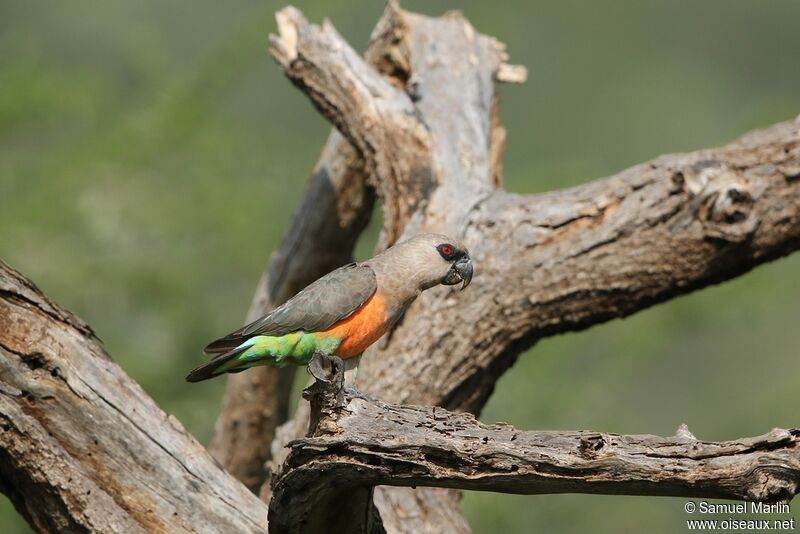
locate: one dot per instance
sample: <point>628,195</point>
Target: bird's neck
<point>398,284</point>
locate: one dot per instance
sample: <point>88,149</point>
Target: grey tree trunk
<point>82,448</point>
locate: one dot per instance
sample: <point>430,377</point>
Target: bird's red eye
<point>446,251</point>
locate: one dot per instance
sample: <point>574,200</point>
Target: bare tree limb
<point>362,442</point>
<point>369,110</point>
<point>84,449</point>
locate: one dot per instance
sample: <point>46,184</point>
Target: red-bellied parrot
<point>345,311</point>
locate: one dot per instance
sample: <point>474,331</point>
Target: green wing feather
<point>326,301</point>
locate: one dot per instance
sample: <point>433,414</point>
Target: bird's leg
<point>351,371</point>
<point>350,376</point>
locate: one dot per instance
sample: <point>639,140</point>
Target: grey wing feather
<point>326,301</point>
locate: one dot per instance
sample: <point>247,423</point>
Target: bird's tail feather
<point>224,344</point>
<point>228,362</point>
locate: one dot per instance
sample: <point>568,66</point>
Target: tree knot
<point>721,198</point>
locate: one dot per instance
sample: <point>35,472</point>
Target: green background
<point>151,155</point>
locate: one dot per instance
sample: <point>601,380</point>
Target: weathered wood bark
<point>84,449</point>
<point>360,443</point>
<point>573,258</point>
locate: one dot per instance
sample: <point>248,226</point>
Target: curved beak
<point>460,271</point>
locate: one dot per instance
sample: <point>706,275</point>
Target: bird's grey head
<point>427,260</point>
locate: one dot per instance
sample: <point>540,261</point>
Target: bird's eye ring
<point>446,250</point>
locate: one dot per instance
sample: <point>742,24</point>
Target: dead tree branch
<point>84,449</point>
<point>363,443</point>
<point>372,113</point>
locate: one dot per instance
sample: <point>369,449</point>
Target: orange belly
<point>361,329</point>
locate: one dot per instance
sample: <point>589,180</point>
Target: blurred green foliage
<point>151,154</point>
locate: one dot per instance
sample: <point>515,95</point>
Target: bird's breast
<point>362,328</point>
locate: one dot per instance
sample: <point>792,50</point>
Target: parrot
<point>343,312</point>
